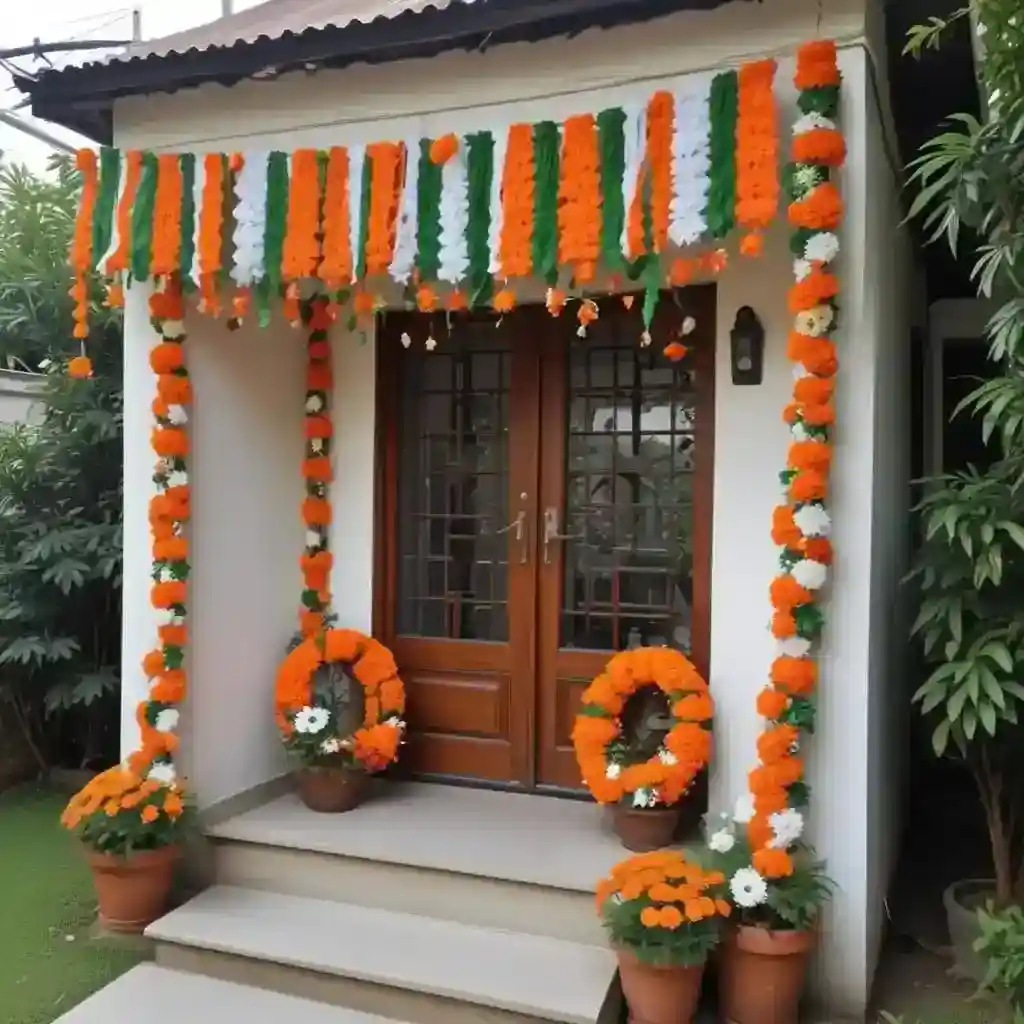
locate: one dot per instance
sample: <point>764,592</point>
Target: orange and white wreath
<point>603,752</point>
<point>309,719</point>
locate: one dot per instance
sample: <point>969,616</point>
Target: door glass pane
<point>629,494</point>
<point>453,487</point>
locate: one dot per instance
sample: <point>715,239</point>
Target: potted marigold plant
<point>132,828</point>
<point>339,708</point>
<point>663,916</point>
<point>765,951</point>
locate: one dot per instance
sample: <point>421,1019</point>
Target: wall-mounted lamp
<point>747,347</point>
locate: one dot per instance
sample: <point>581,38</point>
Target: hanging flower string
<point>317,470</point>
<point>81,260</point>
<point>211,233</point>
<point>517,198</point>
<point>301,251</point>
<point>757,154</point>
<point>169,511</point>
<point>660,131</point>
<point>166,236</point>
<point>385,196</point>
<point>579,198</point>
<point>336,267</point>
<point>801,526</point>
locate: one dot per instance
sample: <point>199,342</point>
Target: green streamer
<point>478,228</point>
<point>612,142</point>
<point>142,218</point>
<point>428,216</point>
<point>277,218</point>
<point>106,200</point>
<point>364,217</point>
<point>545,201</point>
<point>188,219</point>
<point>724,102</point>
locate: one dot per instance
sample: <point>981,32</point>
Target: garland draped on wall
<point>465,215</point>
<point>801,525</point>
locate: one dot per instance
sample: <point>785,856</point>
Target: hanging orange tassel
<point>757,153</point>
<point>516,246</point>
<point>165,250</point>
<point>579,198</point>
<point>660,124</point>
<point>118,262</point>
<point>385,191</point>
<point>301,251</point>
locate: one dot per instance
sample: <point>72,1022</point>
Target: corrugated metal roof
<point>278,19</point>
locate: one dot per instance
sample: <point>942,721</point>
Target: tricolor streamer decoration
<point>801,525</point>
<point>169,512</point>
<point>457,220</point>
<point>317,470</point>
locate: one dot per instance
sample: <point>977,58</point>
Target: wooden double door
<point>544,501</point>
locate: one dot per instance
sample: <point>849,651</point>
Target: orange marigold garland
<point>81,258</point>
<point>169,512</point>
<point>301,250</point>
<point>385,195</point>
<point>757,153</point>
<point>579,198</point>
<point>517,201</point>
<point>602,751</point>
<point>210,234</point>
<point>802,525</point>
<point>317,471</point>
<point>308,719</point>
<point>336,267</point>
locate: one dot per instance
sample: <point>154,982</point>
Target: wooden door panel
<point>457,561</point>
<point>626,475</point>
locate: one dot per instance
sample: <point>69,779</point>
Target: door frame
<point>700,301</point>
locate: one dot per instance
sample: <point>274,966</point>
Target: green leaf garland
<point>364,217</point>
<point>188,217</point>
<point>106,199</point>
<point>428,226</point>
<point>612,143</point>
<point>478,229</point>
<point>724,104</point>
<point>142,218</point>
<point>545,201</point>
<point>277,218</point>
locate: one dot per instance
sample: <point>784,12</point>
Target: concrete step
<point>149,994</point>
<point>516,861</point>
<point>407,967</point>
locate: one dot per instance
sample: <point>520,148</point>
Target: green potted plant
<point>773,929</point>
<point>663,916</point>
<point>132,828</point>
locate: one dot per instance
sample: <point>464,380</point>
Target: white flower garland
<point>115,234</point>
<point>634,130</point>
<point>356,160</point>
<point>250,219</point>
<point>497,210</point>
<point>453,257</point>
<point>404,259</point>
<point>691,156</point>
<point>197,204</point>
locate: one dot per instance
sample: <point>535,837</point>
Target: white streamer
<point>115,234</point>
<point>691,155</point>
<point>405,232</point>
<point>635,133</point>
<point>497,211</point>
<point>454,218</point>
<point>356,159</point>
<point>250,219</point>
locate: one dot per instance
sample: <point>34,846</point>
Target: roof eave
<point>81,98</point>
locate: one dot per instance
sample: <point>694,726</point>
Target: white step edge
<point>526,974</point>
<point>149,994</point>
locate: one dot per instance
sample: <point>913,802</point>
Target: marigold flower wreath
<point>373,746</point>
<point>600,746</point>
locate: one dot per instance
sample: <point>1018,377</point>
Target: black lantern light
<point>747,347</point>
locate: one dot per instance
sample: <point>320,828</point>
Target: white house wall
<point>247,445</point>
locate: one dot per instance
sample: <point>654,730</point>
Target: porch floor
<point>513,837</point>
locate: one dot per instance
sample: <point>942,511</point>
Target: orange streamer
<point>516,250</point>
<point>165,243</point>
<point>385,192</point>
<point>336,268</point>
<point>579,198</point>
<point>301,251</point>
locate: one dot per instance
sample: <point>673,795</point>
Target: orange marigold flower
<point>819,146</point>
<point>650,917</point>
<point>808,485</point>
<point>816,65</point>
<point>785,532</point>
<point>795,675</point>
<point>316,512</point>
<point>787,594</point>
<point>813,390</point>
<point>752,244</point>
<point>169,442</point>
<point>318,376</point>
<point>773,863</point>
<point>172,636</point>
<point>819,549</point>
<point>810,455</point>
<point>683,271</point>
<point>444,148</point>
<point>174,389</point>
<point>166,357</point>
<point>426,299</point>
<point>150,814</point>
<point>817,287</point>
<point>821,209</point>
<point>504,301</point>
<point>774,744</point>
<point>169,688</point>
<point>819,415</point>
<point>675,351</point>
<point>817,354</point>
<point>457,300</point>
<point>694,707</point>
<point>80,368</point>
<point>783,625</point>
<point>364,303</point>
<point>153,664</point>
<point>168,594</point>
<point>318,427</point>
<point>170,549</point>
<point>319,350</point>
<point>771,703</point>
<point>173,805</point>
<point>317,468</point>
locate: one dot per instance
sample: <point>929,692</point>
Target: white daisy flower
<point>330,746</point>
<point>801,269</point>
<point>748,888</point>
<point>721,841</point>
<point>822,247</point>
<point>794,647</point>
<point>799,432</point>
<point>645,797</point>
<point>178,478</point>
<point>744,809</point>
<point>167,720</point>
<point>177,414</point>
<point>810,121</point>
<point>813,521</point>
<point>316,444</point>
<point>805,178</point>
<point>164,773</point>
<point>172,329</point>
<point>667,757</point>
<point>788,826</point>
<point>314,403</point>
<point>814,322</point>
<point>311,720</point>
<point>809,573</point>
<point>613,771</point>
<point>689,326</point>
<point>313,539</point>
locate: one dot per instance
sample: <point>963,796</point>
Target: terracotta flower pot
<point>642,829</point>
<point>761,975</point>
<point>132,891</point>
<point>659,995</point>
<point>329,790</point>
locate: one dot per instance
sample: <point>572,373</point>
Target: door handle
<point>551,533</point>
<point>518,528</point>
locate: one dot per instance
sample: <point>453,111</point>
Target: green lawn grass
<point>50,956</point>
